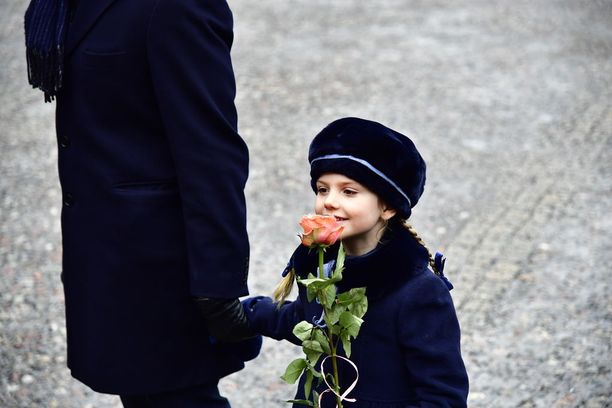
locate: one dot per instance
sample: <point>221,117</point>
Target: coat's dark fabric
<point>408,350</point>
<point>152,171</point>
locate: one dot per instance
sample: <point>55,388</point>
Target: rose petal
<point>321,230</point>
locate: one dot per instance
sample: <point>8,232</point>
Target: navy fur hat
<point>383,160</point>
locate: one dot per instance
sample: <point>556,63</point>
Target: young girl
<point>369,177</point>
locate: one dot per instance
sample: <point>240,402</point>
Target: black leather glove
<point>225,319</point>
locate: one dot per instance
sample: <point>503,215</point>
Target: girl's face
<point>358,209</point>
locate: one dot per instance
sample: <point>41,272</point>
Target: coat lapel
<point>85,16</point>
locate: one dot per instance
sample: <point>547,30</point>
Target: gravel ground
<point>510,103</point>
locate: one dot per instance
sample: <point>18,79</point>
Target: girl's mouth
<point>339,218</point>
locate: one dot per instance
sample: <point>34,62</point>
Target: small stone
<point>12,387</point>
<point>27,379</point>
<point>44,359</point>
<point>544,246</point>
<point>476,396</point>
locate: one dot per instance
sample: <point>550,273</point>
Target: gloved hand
<point>245,350</point>
<point>225,319</point>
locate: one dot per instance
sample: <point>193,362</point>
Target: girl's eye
<point>321,190</point>
<point>350,192</point>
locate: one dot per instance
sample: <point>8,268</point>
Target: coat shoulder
<point>425,286</point>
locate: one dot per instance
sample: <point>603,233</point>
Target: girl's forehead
<point>336,178</point>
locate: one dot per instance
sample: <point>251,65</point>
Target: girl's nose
<point>331,201</point>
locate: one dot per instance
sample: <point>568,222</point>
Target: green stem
<point>321,271</point>
<point>336,377</point>
<point>330,335</point>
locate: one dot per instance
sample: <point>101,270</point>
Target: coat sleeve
<point>430,338</point>
<point>188,50</point>
<point>267,319</point>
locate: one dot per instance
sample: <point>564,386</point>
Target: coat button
<point>68,199</point>
<point>64,141</point>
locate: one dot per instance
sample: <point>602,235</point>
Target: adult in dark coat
<point>152,172</point>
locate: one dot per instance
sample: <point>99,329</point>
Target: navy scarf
<point>45,32</point>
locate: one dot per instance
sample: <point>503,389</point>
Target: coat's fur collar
<point>398,257</point>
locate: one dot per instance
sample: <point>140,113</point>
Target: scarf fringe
<point>45,72</point>
<point>45,32</point>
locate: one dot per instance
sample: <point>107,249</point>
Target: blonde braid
<point>418,238</point>
<point>284,287</point>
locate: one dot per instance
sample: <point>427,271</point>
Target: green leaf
<point>294,370</point>
<point>308,280</point>
<point>346,345</point>
<point>315,397</point>
<point>312,281</point>
<point>327,296</point>
<point>333,314</point>
<point>358,292</point>
<point>315,286</point>
<point>311,293</point>
<point>359,306</point>
<point>312,345</point>
<point>331,380</point>
<point>351,296</point>
<point>308,383</point>
<point>313,350</point>
<point>312,286</point>
<point>350,323</point>
<point>339,263</point>
<point>312,370</point>
<point>322,340</point>
<point>303,330</point>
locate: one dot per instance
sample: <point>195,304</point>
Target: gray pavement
<point>511,105</point>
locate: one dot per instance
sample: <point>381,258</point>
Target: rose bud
<point>320,230</point>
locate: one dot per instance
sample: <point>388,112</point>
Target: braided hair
<point>417,237</point>
<point>284,287</point>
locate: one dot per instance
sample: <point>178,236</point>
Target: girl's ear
<point>387,212</point>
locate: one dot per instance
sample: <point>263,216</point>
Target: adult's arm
<point>188,49</point>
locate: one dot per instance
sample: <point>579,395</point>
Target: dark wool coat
<point>152,171</point>
<point>407,351</point>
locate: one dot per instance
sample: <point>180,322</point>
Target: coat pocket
<point>154,186</point>
<point>157,191</point>
<point>103,59</point>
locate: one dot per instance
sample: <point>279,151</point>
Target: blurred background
<point>510,103</point>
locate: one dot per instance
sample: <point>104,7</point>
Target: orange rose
<point>320,230</point>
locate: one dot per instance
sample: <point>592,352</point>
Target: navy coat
<point>152,171</point>
<point>408,350</point>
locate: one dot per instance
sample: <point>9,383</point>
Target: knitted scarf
<point>45,32</point>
